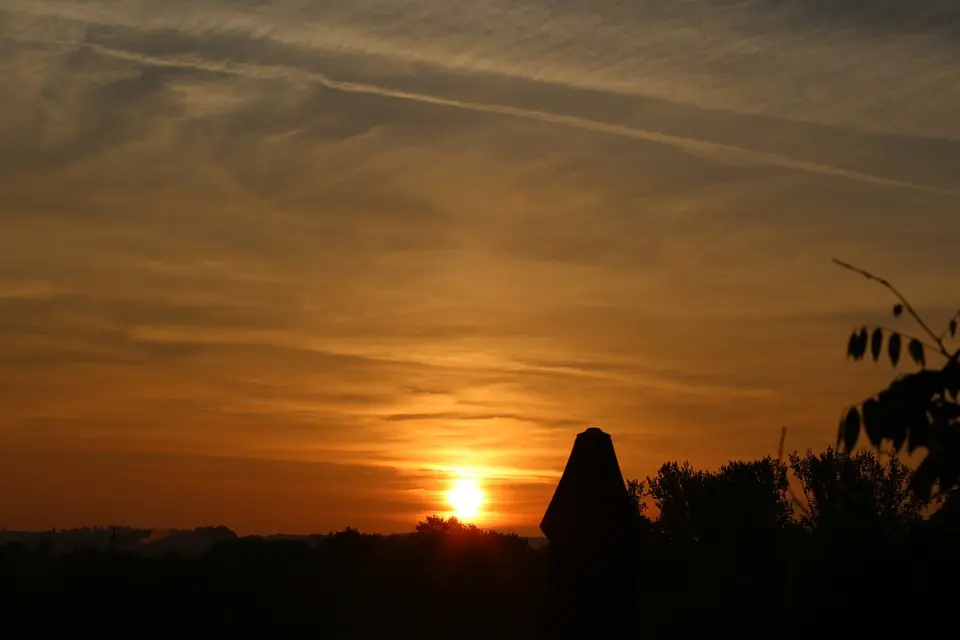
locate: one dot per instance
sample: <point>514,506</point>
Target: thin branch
<point>954,359</point>
<point>906,303</point>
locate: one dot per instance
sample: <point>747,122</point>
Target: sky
<point>292,266</point>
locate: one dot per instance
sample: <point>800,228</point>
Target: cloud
<point>414,237</point>
<point>267,72</point>
<point>617,46</point>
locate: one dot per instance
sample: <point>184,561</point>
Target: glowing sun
<point>466,497</point>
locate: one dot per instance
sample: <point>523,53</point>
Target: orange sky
<point>293,266</point>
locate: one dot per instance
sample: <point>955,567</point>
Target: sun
<point>466,497</point>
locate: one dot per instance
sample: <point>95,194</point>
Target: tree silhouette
<point>678,491</point>
<point>698,505</point>
<point>918,410</point>
<point>438,524</point>
<point>635,490</point>
<point>853,492</point>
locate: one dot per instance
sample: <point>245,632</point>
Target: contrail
<point>726,152</point>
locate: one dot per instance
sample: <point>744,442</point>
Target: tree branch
<point>954,359</point>
<point>906,303</point>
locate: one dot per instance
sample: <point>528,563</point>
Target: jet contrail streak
<point>721,151</point>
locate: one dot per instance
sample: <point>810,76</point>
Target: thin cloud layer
<point>420,238</point>
<point>709,53</point>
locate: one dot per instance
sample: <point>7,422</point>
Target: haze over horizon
<point>290,266</point>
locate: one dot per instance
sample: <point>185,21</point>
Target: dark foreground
<point>471,584</point>
<point>731,553</point>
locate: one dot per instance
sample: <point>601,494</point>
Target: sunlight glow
<point>466,497</point>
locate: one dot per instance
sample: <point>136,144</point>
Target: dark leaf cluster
<point>863,340</point>
<point>918,410</point>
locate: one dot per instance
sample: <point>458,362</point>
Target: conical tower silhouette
<point>589,524</point>
<point>590,503</point>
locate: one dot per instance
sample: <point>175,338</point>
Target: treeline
<point>813,542</point>
<point>447,576</point>
<point>831,492</point>
<point>728,551</point>
<point>145,541</point>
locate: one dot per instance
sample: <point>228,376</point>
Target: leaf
<point>949,477</point>
<point>950,377</point>
<point>950,470</point>
<point>853,344</point>
<point>923,478</point>
<point>893,348</point>
<point>876,344</point>
<point>897,310</point>
<point>953,328</point>
<point>917,353</point>
<point>857,348</point>
<point>900,437</point>
<point>849,429</point>
<point>873,422</point>
<point>919,437</point>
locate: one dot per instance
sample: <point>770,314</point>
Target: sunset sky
<point>294,265</point>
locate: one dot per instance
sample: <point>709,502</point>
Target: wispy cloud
<point>707,52</point>
<point>722,152</point>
